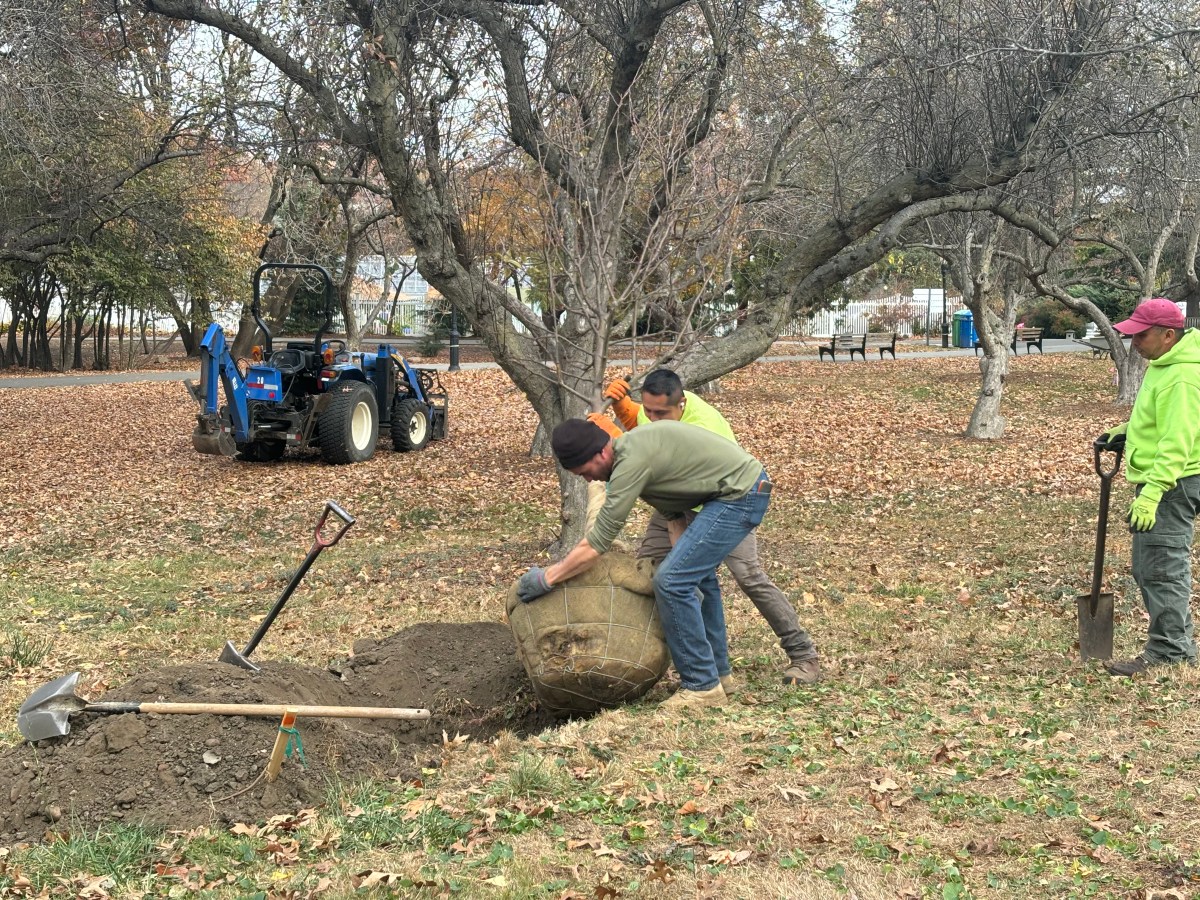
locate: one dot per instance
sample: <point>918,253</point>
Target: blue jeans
<point>687,592</point>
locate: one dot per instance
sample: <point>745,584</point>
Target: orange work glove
<point>625,409</point>
<point>618,389</point>
<point>606,423</point>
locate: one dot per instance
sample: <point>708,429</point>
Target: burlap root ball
<point>595,641</point>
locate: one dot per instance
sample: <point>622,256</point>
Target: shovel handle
<point>258,709</point>
<point>347,520</point>
<point>1106,476</point>
<point>1116,448</point>
<point>319,544</point>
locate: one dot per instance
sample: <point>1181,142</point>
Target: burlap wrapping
<point>595,641</point>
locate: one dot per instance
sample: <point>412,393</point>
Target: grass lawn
<point>957,747</point>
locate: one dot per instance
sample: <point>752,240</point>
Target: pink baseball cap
<point>1158,311</point>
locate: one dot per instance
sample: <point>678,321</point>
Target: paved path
<point>917,351</point>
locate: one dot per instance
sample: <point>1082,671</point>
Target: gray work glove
<point>532,584</point>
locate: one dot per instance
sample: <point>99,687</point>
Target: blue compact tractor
<point>312,394</point>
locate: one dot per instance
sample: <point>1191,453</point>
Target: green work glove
<point>1141,512</point>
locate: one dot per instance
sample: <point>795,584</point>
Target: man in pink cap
<point>1162,453</point>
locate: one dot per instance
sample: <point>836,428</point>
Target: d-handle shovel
<point>1096,608</point>
<point>47,712</point>
<point>230,653</point>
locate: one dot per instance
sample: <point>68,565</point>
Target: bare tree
<point>991,289</point>
<point>934,102</point>
<point>582,91</point>
<point>1111,218</point>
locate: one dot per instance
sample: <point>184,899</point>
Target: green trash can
<point>963,333</point>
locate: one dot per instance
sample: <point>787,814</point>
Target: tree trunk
<point>353,326</point>
<point>64,340</point>
<point>276,305</point>
<point>1130,369</point>
<point>187,336</point>
<point>43,355</point>
<point>101,337</point>
<point>572,491</point>
<point>987,423</point>
<point>573,521</point>
<point>8,356</point>
<point>121,333</point>
<point>78,338</point>
<point>540,447</point>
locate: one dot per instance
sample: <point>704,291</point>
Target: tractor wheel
<point>410,425</point>
<point>349,427</point>
<point>262,451</point>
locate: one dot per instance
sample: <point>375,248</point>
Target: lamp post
<point>928,324</point>
<point>454,367</point>
<point>945,321</point>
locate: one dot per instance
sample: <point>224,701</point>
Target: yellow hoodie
<point>1162,444</point>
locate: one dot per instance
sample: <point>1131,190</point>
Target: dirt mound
<point>183,771</point>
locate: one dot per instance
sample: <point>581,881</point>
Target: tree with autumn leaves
<point>112,203</point>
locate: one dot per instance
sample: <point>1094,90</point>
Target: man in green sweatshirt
<point>673,467</point>
<point>663,397</point>
<point>1162,453</point>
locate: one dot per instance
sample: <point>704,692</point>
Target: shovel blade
<point>1095,626</point>
<point>230,654</point>
<point>46,713</point>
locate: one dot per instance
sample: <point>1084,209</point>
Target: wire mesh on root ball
<point>595,641</point>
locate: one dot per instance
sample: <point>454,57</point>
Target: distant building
<point>404,307</point>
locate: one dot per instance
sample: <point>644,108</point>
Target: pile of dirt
<point>183,771</point>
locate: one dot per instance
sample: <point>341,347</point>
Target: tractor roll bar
<point>256,308</point>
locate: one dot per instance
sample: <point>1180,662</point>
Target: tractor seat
<point>289,362</point>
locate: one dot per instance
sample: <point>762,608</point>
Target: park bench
<point>883,341</point>
<point>843,342</point>
<point>1031,336</point>
<point>1098,344</point>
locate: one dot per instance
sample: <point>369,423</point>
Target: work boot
<point>804,671</point>
<point>729,685</point>
<point>1127,668</point>
<point>684,699</point>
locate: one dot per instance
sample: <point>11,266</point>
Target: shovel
<point>1096,608</point>
<point>230,654</point>
<point>47,712</point>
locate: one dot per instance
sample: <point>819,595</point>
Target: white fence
<point>408,317</point>
<point>920,313</point>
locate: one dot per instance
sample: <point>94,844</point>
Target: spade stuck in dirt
<point>241,658</point>
<point>1096,608</point>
